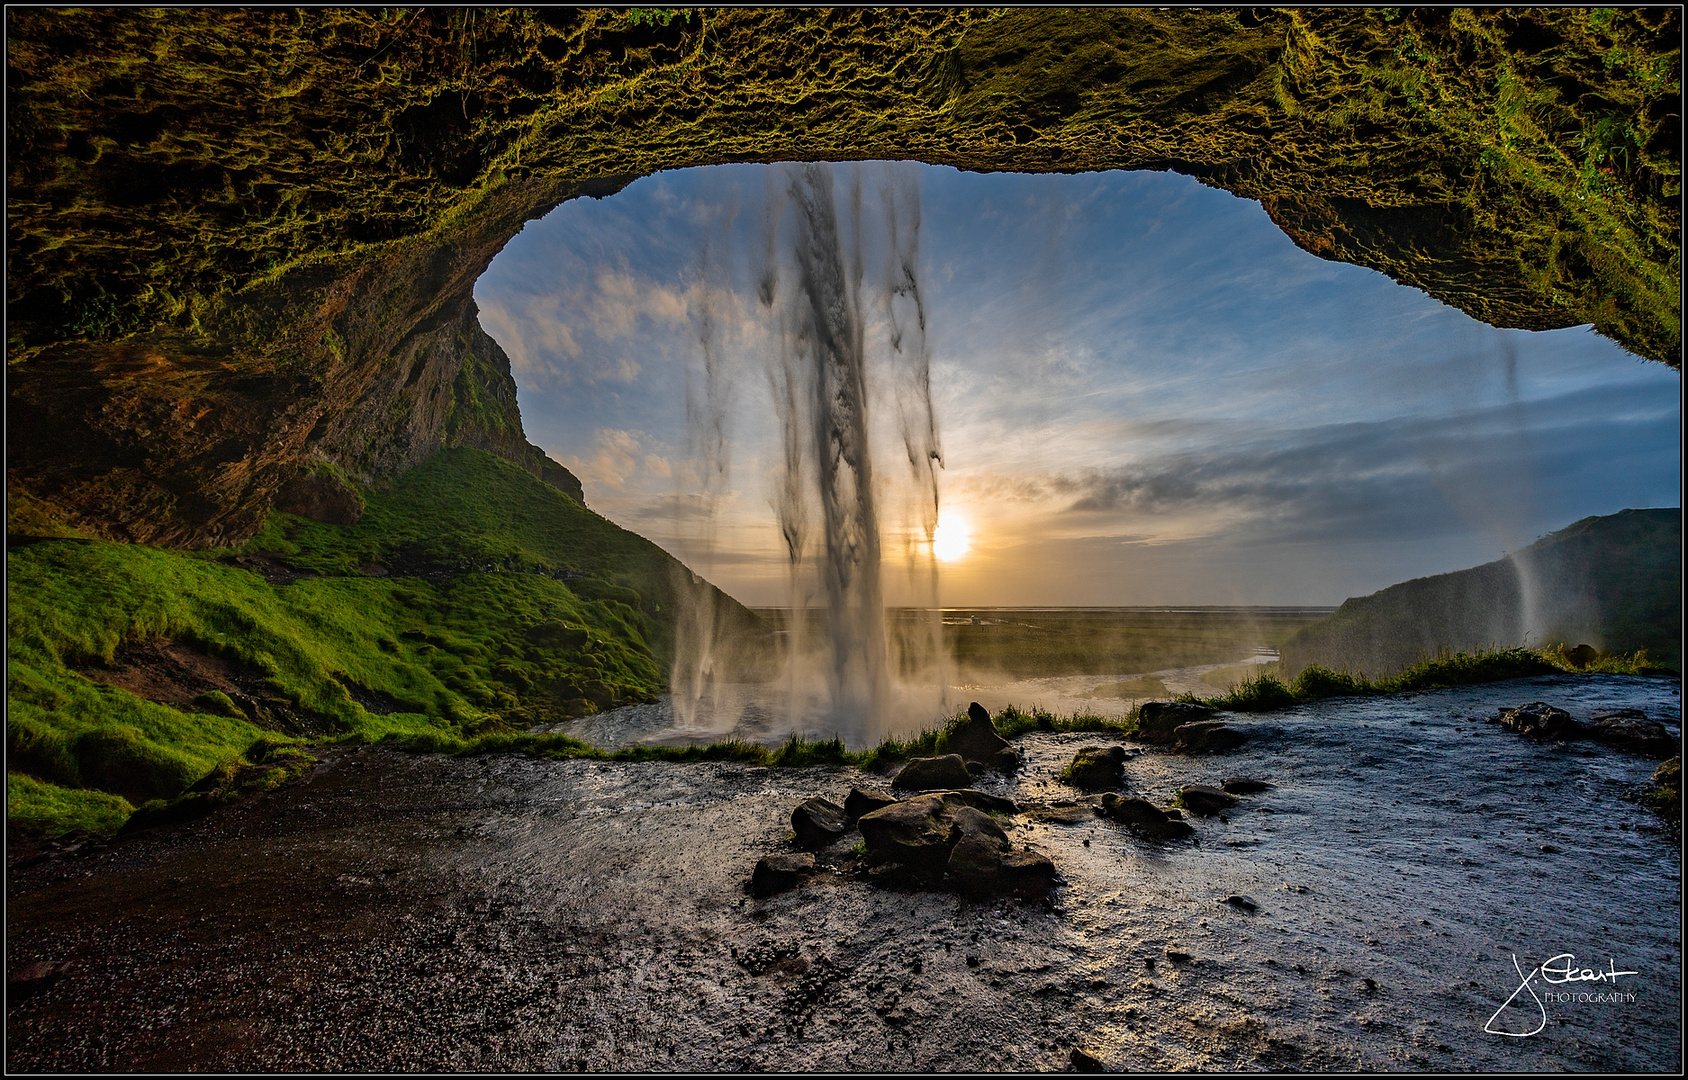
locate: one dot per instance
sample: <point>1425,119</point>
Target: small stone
<point>1144,817</point>
<point>1085,1062</point>
<point>1027,874</point>
<point>1157,720</point>
<point>1539,720</point>
<point>972,961</point>
<point>1178,957</point>
<point>1242,785</point>
<point>818,823</point>
<point>777,873</point>
<point>976,739</point>
<point>925,774</point>
<point>865,801</point>
<point>1208,736</point>
<point>1203,799</point>
<point>1630,730</point>
<point>1241,903</point>
<point>1095,768</point>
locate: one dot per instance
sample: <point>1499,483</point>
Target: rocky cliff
<point>1613,582</point>
<point>242,242</point>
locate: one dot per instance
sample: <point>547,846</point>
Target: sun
<point>952,538</point>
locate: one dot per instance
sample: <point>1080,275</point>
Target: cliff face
<point>244,241</point>
<point>1614,582</point>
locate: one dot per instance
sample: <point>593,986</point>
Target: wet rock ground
<point>394,912</point>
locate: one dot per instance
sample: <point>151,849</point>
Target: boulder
<point>1145,817</point>
<point>1582,656</point>
<point>1668,775</point>
<point>321,496</point>
<point>1210,736</point>
<point>1539,720</point>
<point>818,823</point>
<point>1026,874</point>
<point>976,739</point>
<point>979,800</point>
<point>1629,729</point>
<point>925,774</point>
<point>1242,785</point>
<point>865,801</point>
<point>1157,720</point>
<point>1096,768</point>
<point>977,855</point>
<point>1204,799</point>
<point>777,873</point>
<point>917,833</point>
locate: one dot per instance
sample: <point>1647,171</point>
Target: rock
<point>1539,720</point>
<point>1668,775</point>
<point>977,740</point>
<point>1026,874</point>
<point>1157,720</point>
<point>1211,736</point>
<point>865,801</point>
<point>1144,817</point>
<point>818,823</point>
<point>1178,957</point>
<point>321,496</point>
<point>1241,903</point>
<point>1074,814</point>
<point>777,873</point>
<point>925,774</point>
<point>1204,800</point>
<point>917,833</point>
<point>979,800</point>
<point>975,860</point>
<point>1631,730</point>
<point>1085,1062</point>
<point>32,978</point>
<point>1582,656</point>
<point>1242,785</point>
<point>976,768</point>
<point>1095,768</point>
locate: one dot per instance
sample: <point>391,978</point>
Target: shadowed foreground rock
<point>818,823</point>
<point>942,840</point>
<point>1628,730</point>
<point>1158,720</point>
<point>976,740</point>
<point>1095,768</point>
<point>1208,736</point>
<point>1204,799</point>
<point>777,873</point>
<point>926,774</point>
<point>1144,817</point>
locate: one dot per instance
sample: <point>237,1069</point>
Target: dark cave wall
<point>242,241</point>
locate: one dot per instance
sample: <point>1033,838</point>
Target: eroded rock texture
<point>243,242</point>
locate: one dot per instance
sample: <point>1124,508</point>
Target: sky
<point>1145,394</point>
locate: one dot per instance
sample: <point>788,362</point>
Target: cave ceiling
<point>242,242</point>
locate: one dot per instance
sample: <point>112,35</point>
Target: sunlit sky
<point>1145,394</point>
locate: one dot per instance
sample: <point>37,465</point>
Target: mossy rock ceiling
<point>241,239</point>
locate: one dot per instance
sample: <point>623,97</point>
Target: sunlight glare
<point>952,538</point>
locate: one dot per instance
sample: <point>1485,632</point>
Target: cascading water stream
<point>821,370</point>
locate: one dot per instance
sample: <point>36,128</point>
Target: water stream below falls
<point>396,911</point>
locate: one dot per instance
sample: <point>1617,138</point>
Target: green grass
<point>541,611</point>
<point>1267,692</point>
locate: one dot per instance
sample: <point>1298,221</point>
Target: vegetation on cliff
<point>1614,582</point>
<point>471,599</point>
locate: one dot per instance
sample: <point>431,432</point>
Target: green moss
<point>44,808</point>
<point>532,609</point>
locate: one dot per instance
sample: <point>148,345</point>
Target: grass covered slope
<point>471,599</point>
<point>1613,582</point>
